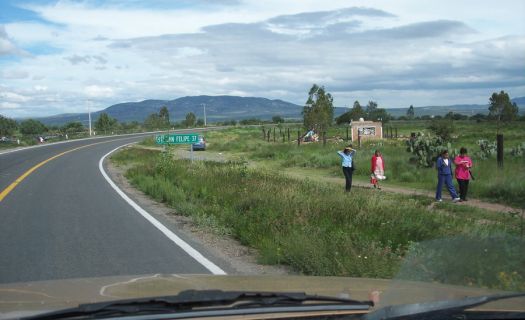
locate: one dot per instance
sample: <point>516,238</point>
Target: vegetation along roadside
<point>310,226</point>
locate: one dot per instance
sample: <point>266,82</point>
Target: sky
<point>68,56</point>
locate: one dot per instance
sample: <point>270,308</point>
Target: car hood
<point>22,299</point>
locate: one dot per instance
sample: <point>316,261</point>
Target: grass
<point>506,186</point>
<point>313,227</point>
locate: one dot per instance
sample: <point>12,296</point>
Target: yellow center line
<point>13,185</point>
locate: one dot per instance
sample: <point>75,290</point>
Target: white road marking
<point>102,137</point>
<point>213,268</point>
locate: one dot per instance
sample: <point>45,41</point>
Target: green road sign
<point>189,138</point>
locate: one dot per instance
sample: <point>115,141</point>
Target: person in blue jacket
<point>347,162</point>
<point>444,169</point>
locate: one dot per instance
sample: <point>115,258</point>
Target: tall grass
<point>505,185</point>
<point>313,227</point>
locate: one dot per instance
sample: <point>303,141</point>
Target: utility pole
<point>204,107</point>
<point>89,117</point>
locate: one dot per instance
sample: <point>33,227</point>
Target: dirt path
<point>471,202</point>
<point>307,173</point>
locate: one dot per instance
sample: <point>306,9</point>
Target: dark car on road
<point>201,145</point>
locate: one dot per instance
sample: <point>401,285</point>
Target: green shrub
<point>313,227</point>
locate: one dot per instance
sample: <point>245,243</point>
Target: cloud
<point>7,47</point>
<point>125,51</point>
<point>96,91</point>
<point>313,20</point>
<point>14,74</point>
<point>9,105</point>
<point>426,55</point>
<point>77,59</point>
<point>13,97</point>
<point>429,29</point>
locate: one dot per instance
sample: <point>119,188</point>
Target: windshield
<point>361,150</point>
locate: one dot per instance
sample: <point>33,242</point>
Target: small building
<point>366,130</point>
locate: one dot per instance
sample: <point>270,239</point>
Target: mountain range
<point>221,108</point>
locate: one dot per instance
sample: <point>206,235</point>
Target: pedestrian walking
<point>347,162</point>
<point>463,164</point>
<point>377,169</point>
<point>444,170</point>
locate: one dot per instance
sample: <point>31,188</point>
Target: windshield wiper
<point>207,300</point>
<point>437,309</point>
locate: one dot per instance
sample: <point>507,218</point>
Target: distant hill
<point>466,109</point>
<point>220,108</point>
<point>520,101</point>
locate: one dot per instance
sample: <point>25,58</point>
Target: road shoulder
<point>240,259</point>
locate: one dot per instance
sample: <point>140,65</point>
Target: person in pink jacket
<point>463,164</point>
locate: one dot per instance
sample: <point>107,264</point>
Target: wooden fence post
<point>288,134</point>
<point>499,141</point>
<point>273,134</point>
<point>347,133</point>
<point>324,138</point>
<point>298,137</point>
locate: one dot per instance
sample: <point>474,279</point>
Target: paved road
<point>65,221</point>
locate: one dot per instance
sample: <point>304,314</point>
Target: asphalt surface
<point>65,221</point>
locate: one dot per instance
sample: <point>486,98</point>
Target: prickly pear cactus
<point>425,149</point>
<point>518,151</point>
<point>487,149</point>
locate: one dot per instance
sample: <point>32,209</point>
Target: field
<point>310,225</point>
<point>506,186</point>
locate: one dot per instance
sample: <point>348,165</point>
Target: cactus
<point>518,151</point>
<point>425,149</point>
<point>487,149</point>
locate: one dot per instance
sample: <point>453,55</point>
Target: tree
<point>277,119</point>
<point>357,111</point>
<point>190,119</point>
<point>31,126</point>
<point>479,117</point>
<point>353,115</point>
<point>501,108</point>
<point>371,108</point>
<point>130,126</point>
<point>455,116</point>
<point>250,121</point>
<point>164,116</point>
<point>318,114</point>
<point>72,127</point>
<point>411,113</point>
<point>159,120</point>
<point>200,123</point>
<point>105,123</point>
<point>373,113</point>
<point>153,122</point>
<point>442,128</point>
<point>380,114</point>
<point>7,126</point>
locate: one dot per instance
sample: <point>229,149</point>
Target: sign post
<point>169,139</point>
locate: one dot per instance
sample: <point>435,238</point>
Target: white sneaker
<point>439,200</point>
<point>456,199</point>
